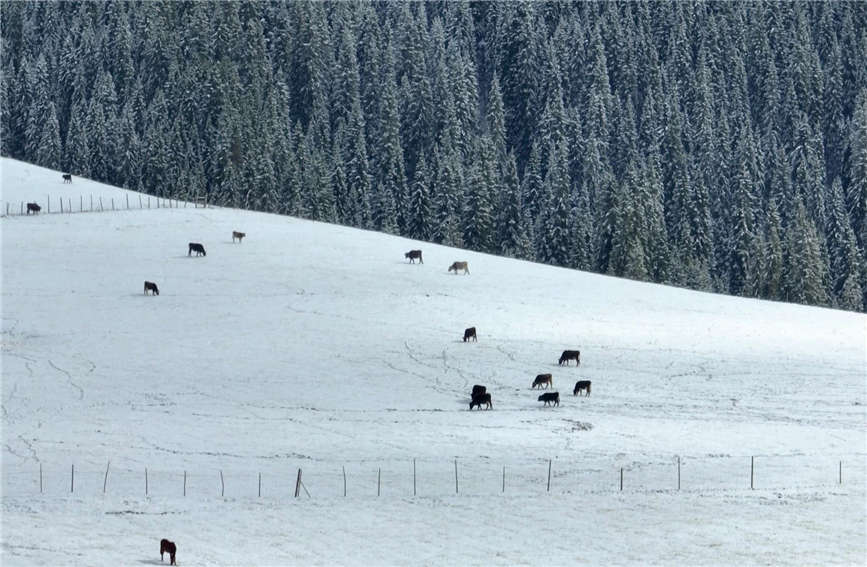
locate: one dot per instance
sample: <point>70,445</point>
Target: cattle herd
<point>480,396</point>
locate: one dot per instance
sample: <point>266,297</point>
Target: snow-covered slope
<point>319,347</point>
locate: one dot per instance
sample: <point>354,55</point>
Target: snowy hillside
<point>320,347</point>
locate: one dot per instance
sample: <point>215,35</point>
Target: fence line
<point>429,477</point>
<point>19,208</point>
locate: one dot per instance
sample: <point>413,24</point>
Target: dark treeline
<point>715,145</point>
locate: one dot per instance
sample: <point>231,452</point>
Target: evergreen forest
<point>719,146</point>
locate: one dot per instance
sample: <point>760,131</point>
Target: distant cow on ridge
<point>570,355</point>
<point>238,235</point>
<point>581,385</point>
<point>550,398</point>
<point>67,178</point>
<point>412,255</point>
<point>33,207</point>
<point>541,379</point>
<point>460,266</point>
<point>197,248</point>
<point>152,287</point>
<point>470,334</point>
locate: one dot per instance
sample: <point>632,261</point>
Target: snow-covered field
<point>319,347</point>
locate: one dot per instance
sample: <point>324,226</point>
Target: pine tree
<point>419,210</point>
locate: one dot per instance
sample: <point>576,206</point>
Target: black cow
<point>197,248</point>
<point>581,385</point>
<point>33,207</point>
<point>479,390</point>
<point>481,399</point>
<point>541,379</point>
<point>570,355</point>
<point>152,287</point>
<point>67,178</point>
<point>412,255</point>
<point>550,398</point>
<point>470,334</point>
<point>169,547</point>
<point>238,235</point>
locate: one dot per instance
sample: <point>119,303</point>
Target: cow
<point>169,547</point>
<point>541,379</point>
<point>460,266</point>
<point>550,398</point>
<point>238,235</point>
<point>67,178</point>
<point>152,287</point>
<point>197,248</point>
<point>470,334</point>
<point>570,355</point>
<point>412,255</point>
<point>481,399</point>
<point>581,385</point>
<point>478,390</point>
<point>33,207</point>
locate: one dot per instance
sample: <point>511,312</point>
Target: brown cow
<point>581,385</point>
<point>238,235</point>
<point>169,547</point>
<point>412,255</point>
<point>152,287</point>
<point>470,334</point>
<point>460,266</point>
<point>570,355</point>
<point>545,379</point>
<point>482,399</point>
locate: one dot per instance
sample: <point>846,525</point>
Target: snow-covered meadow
<point>320,347</point>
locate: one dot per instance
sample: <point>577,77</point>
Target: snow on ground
<point>319,347</point>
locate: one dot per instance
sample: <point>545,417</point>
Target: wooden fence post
<point>48,198</point>
<point>81,203</point>
<point>146,481</point>
<point>621,478</point>
<point>298,484</point>
<point>100,204</point>
<point>344,481</point>
<point>40,477</point>
<point>840,477</point>
<point>378,480</point>
<point>112,203</point>
<point>105,480</point>
<point>127,200</point>
<point>61,205</point>
<point>413,477</point>
<point>549,475</point>
<point>752,472</point>
<point>69,203</point>
<point>222,485</point>
<point>72,480</point>
<point>456,475</point>
<point>139,201</point>
<point>91,202</point>
<point>260,485</point>
<point>504,479</point>
<point>678,472</point>
<point>185,483</point>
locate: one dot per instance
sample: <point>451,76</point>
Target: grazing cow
<point>581,385</point>
<point>570,355</point>
<point>460,266</point>
<point>152,287</point>
<point>470,334</point>
<point>412,255</point>
<point>67,178</point>
<point>169,547</point>
<point>33,207</point>
<point>197,248</point>
<point>481,399</point>
<point>545,379</point>
<point>238,235</point>
<point>479,390</point>
<point>550,398</point>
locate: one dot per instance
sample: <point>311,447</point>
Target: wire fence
<point>441,477</point>
<point>97,204</point>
